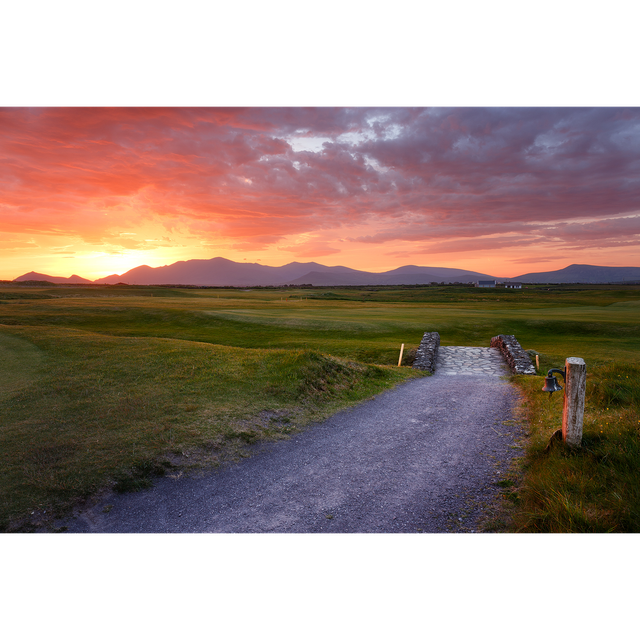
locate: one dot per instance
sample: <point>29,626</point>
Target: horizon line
<point>314,262</point>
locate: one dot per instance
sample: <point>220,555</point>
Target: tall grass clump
<point>615,385</point>
<point>595,488</point>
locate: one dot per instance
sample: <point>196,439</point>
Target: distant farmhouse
<point>494,283</point>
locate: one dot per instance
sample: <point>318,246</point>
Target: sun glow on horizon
<point>98,191</point>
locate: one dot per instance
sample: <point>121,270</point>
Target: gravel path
<point>423,457</point>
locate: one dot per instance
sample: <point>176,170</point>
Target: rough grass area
<point>593,489</point>
<point>85,411</point>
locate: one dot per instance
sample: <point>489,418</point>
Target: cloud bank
<point>443,180</point>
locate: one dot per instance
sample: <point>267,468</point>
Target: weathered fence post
<point>574,393</point>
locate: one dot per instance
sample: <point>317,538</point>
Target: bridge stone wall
<point>516,357</point>
<point>427,353</point>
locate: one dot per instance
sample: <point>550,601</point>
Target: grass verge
<point>593,489</point>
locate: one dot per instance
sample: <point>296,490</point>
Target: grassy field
<point>107,386</point>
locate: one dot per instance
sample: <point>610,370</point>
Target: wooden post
<point>400,359</point>
<point>537,362</point>
<point>574,393</point>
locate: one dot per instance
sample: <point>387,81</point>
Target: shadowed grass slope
<point>96,408</point>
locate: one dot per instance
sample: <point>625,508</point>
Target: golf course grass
<point>108,386</point>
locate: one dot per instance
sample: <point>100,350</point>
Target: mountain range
<point>220,272</point>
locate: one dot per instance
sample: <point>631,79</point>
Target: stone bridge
<point>505,355</point>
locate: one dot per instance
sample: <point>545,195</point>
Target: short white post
<point>400,359</point>
<point>574,393</point>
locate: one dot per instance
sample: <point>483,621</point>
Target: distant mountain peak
<point>43,277</point>
<point>583,273</point>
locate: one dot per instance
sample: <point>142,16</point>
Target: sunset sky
<point>506,191</point>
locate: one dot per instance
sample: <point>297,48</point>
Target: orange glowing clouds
<point>95,191</point>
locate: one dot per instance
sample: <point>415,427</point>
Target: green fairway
<point>115,383</point>
<point>368,330</point>
<point>20,363</point>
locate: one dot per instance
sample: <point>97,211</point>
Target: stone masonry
<point>427,353</point>
<point>473,360</point>
<point>516,357</point>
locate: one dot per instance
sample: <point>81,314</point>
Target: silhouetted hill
<point>32,275</point>
<point>220,272</point>
<point>583,273</point>
<point>324,279</point>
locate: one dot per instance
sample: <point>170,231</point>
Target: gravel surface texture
<point>423,457</point>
